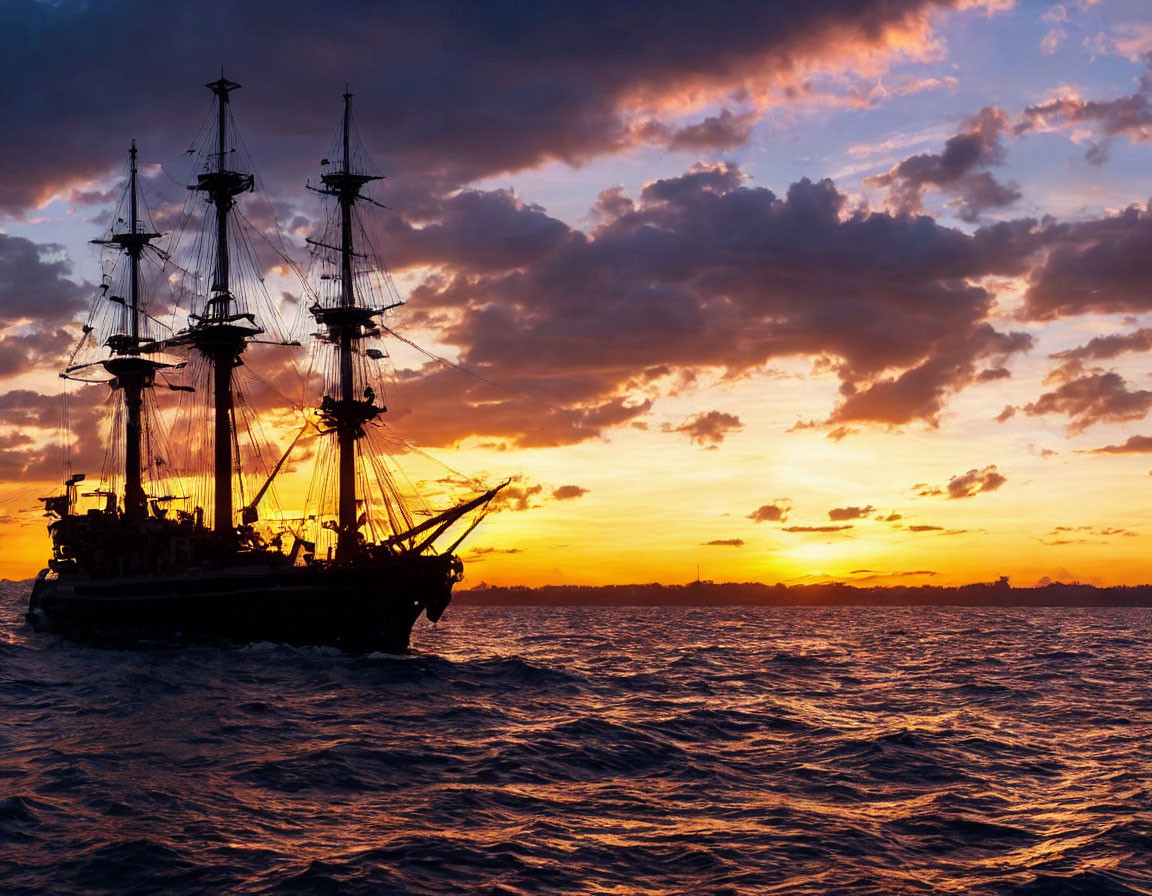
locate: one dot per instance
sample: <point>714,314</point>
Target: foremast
<point>347,323</point>
<point>131,373</point>
<point>220,334</point>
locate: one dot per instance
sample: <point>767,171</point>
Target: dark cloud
<point>1097,153</point>
<point>1061,535</point>
<point>723,131</point>
<point>1107,531</point>
<point>568,492</point>
<point>477,553</point>
<point>1132,445</point>
<point>451,89</point>
<point>965,485</point>
<point>698,271</point>
<point>718,132</point>
<point>708,428</point>
<point>1129,116</point>
<point>612,204</point>
<point>14,439</point>
<point>776,512</point>
<point>24,407</point>
<point>100,198</point>
<point>956,170</point>
<point>974,482</point>
<point>35,451</point>
<point>919,393</point>
<point>1096,266</point>
<point>438,406</point>
<point>1104,347</point>
<point>34,281</point>
<point>1005,415</point>
<point>866,575</point>
<point>29,348</point>
<point>1072,366</point>
<point>702,271</point>
<point>923,528</point>
<point>479,231</point>
<point>1096,397</point>
<point>838,514</point>
<point>816,528</point>
<point>725,543</point>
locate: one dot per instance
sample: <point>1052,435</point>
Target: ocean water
<point>592,751</point>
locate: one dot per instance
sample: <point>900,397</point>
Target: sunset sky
<point>848,289</point>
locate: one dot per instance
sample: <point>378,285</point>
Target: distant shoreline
<point>756,594</point>
<point>708,594</point>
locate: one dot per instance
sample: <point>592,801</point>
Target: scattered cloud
<point>965,485</point>
<point>839,433</point>
<point>1061,535</point>
<point>1052,40</point>
<point>839,514</point>
<point>725,543</point>
<point>568,492</point>
<point>816,528</point>
<point>525,494</point>
<point>725,131</point>
<point>478,553</point>
<point>1105,347</point>
<point>1093,398</point>
<point>869,575</point>
<point>708,428</point>
<point>776,512</point>
<point>1132,445</point>
<point>1129,116</point>
<point>1132,40</point>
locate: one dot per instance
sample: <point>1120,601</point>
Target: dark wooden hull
<point>357,608</point>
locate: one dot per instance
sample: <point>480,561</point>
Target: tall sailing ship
<point>147,561</point>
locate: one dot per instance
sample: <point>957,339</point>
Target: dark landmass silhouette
<point>758,594</point>
<point>707,594</point>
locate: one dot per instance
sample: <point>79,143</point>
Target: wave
<point>588,751</point>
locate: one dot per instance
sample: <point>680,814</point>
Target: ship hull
<point>358,609</point>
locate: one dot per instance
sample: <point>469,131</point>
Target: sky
<point>852,290</point>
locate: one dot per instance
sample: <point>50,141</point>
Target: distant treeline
<point>704,594</point>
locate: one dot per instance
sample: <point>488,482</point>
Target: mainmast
<point>220,334</point>
<point>347,324</point>
<point>132,373</point>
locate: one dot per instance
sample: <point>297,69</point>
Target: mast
<point>219,334</point>
<point>347,198</point>
<point>349,319</point>
<point>347,323</point>
<point>132,374</point>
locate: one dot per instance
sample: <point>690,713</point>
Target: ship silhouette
<point>360,566</point>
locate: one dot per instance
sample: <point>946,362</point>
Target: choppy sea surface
<point>592,750</point>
